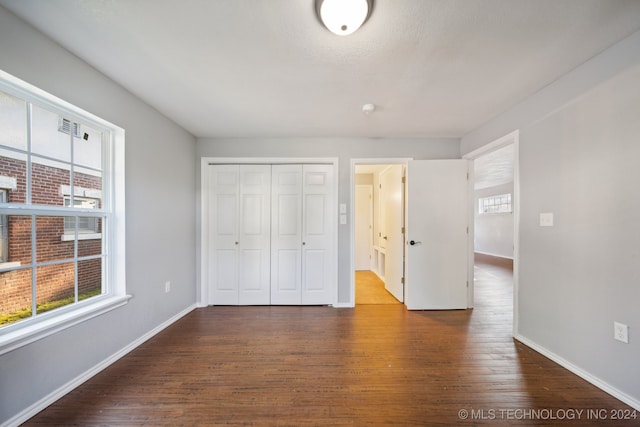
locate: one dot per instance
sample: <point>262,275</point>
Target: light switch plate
<point>343,219</point>
<point>343,208</point>
<point>546,219</point>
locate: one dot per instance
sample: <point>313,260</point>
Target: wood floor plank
<point>375,365</point>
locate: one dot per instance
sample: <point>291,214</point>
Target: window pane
<point>89,278</point>
<point>13,121</point>
<point>55,286</point>
<point>90,247</point>
<point>46,138</point>
<point>88,187</point>
<point>13,175</point>
<point>49,243</point>
<point>19,239</point>
<point>15,296</point>
<point>87,148</point>
<point>50,181</point>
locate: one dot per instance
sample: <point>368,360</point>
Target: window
<point>61,214</point>
<point>495,204</point>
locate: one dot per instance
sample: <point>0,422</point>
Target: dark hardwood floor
<point>375,365</point>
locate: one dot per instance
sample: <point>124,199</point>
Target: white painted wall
<point>579,154</point>
<point>493,233</point>
<point>160,203</point>
<point>343,148</point>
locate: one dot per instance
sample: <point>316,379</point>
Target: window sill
<point>17,338</point>
<point>81,236</point>
<point>12,264</point>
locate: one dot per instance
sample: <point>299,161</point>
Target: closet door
<point>254,235</point>
<point>286,234</point>
<point>302,227</point>
<point>319,214</point>
<point>239,203</point>
<point>223,234</point>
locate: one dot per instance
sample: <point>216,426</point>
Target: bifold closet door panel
<point>317,235</point>
<point>223,232</point>
<point>286,235</point>
<point>239,234</point>
<point>254,235</point>
<point>302,227</point>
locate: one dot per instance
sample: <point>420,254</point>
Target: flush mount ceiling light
<point>343,17</point>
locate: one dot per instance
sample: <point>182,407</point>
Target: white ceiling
<point>494,168</point>
<point>230,68</point>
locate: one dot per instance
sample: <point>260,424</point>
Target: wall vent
<point>67,126</point>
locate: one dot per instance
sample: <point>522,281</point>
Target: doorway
<point>495,214</point>
<point>378,242</point>
<point>433,237</point>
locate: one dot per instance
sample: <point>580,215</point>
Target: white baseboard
<point>57,394</point>
<point>602,385</point>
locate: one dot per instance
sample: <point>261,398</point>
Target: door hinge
<point>467,230</point>
<point>402,230</point>
<point>467,283</point>
<point>404,180</point>
<point>402,281</point>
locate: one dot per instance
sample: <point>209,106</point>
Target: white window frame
<point>114,269</point>
<point>495,200</point>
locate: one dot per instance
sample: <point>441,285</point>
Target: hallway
<point>370,289</point>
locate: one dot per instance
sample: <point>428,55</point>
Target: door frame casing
<point>203,298</point>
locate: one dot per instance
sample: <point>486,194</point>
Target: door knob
<point>413,242</point>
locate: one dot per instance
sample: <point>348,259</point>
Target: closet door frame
<point>203,220</point>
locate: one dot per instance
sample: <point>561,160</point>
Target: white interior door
<point>437,234</point>
<point>223,234</point>
<point>363,226</point>
<point>286,234</point>
<point>393,238</point>
<point>254,235</point>
<point>319,216</point>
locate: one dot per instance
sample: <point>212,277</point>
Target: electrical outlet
<point>167,286</point>
<point>621,332</point>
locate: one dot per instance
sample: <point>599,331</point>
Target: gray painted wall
<point>493,233</point>
<point>343,148</point>
<point>579,151</point>
<point>160,220</point>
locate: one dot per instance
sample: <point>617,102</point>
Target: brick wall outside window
<point>54,282</point>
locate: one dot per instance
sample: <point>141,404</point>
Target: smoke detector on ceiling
<point>368,109</point>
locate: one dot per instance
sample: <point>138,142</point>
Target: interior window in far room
<point>495,204</point>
